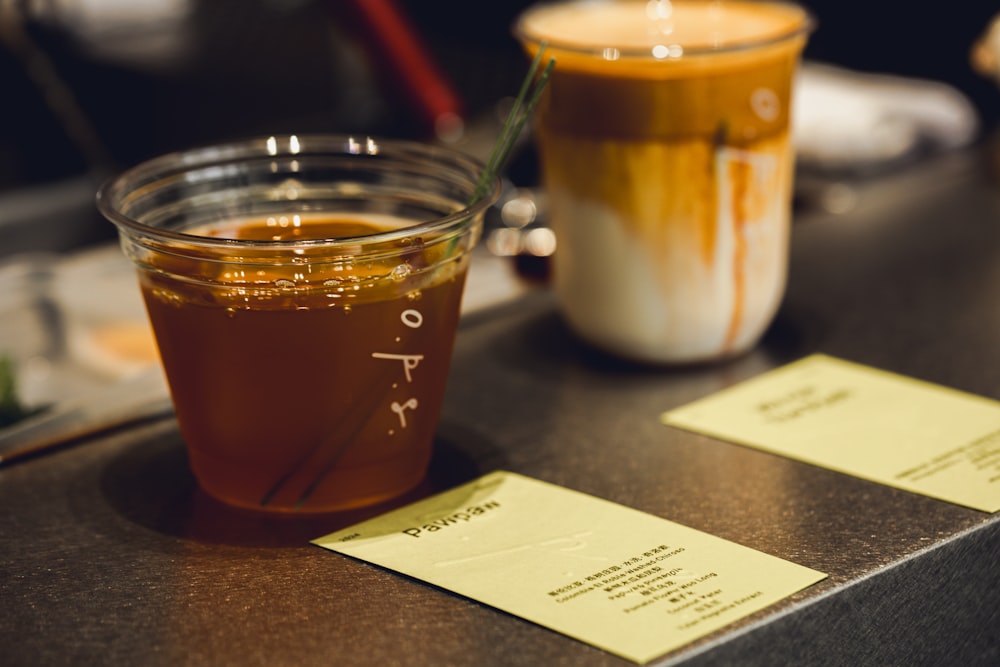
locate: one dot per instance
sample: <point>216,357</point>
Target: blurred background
<point>93,86</point>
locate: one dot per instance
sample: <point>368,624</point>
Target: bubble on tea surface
<point>401,271</point>
<point>343,284</point>
<point>284,283</point>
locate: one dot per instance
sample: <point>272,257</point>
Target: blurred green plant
<point>11,408</point>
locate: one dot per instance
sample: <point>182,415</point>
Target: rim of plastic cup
<point>520,32</point>
<point>163,167</point>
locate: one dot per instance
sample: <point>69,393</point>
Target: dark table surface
<point>109,554</point>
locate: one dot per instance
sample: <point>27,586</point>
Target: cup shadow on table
<point>150,484</point>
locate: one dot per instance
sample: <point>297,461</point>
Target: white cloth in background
<point>139,33</point>
<point>850,120</point>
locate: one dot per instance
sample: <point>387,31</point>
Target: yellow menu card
<point>625,581</point>
<point>869,423</point>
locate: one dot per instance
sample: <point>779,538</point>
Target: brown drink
<point>324,390</point>
<point>664,138</point>
<point>305,306</point>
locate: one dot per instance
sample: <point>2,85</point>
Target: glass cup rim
<point>520,32</point>
<point>148,172</point>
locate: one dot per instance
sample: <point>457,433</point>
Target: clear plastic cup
<point>304,292</point>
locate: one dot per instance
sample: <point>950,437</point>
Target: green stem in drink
<point>520,112</point>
